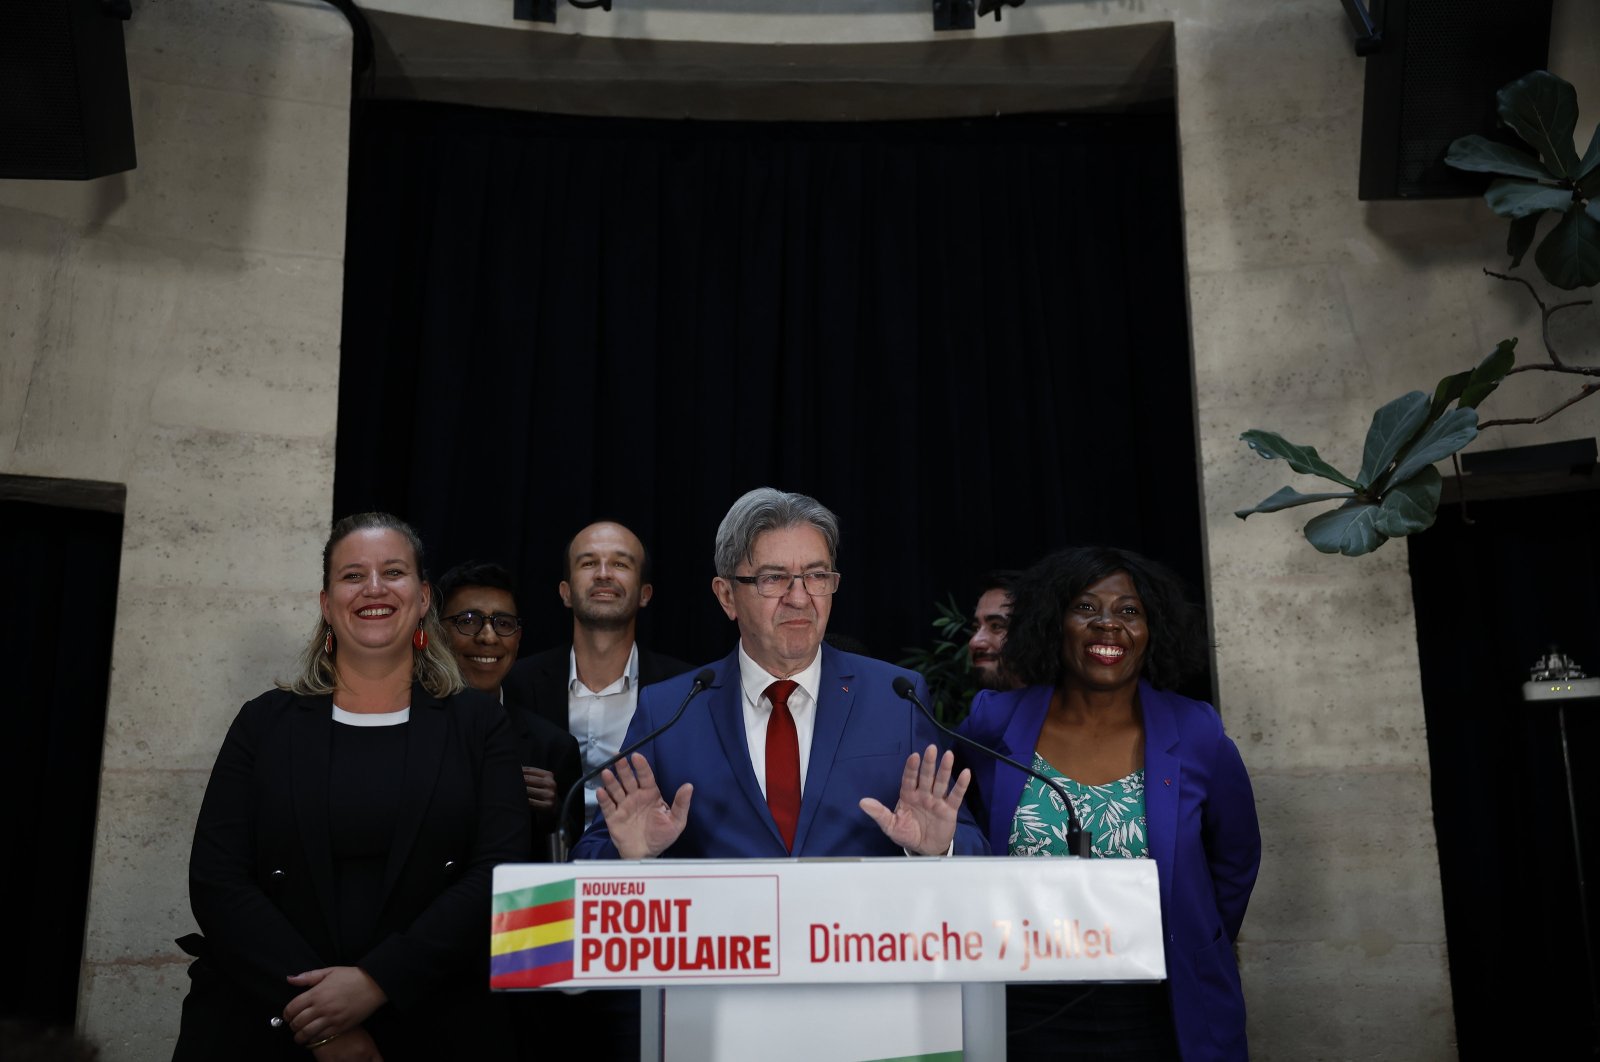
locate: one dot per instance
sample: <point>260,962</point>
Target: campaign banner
<point>669,922</point>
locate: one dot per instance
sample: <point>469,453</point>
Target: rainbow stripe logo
<point>530,941</point>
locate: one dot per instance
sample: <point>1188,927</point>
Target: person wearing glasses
<point>794,748</point>
<point>478,609</point>
<point>1100,637</point>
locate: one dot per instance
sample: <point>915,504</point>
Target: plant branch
<point>1573,370</point>
<point>1588,389</point>
<point>1545,313</point>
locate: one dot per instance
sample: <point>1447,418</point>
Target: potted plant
<point>1396,490</point>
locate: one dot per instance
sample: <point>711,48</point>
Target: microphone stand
<point>564,845</point>
<point>1079,840</point>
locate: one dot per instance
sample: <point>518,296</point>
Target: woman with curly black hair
<point>1100,636</point>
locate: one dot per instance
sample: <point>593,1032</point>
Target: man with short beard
<point>991,621</point>
<point>590,687</point>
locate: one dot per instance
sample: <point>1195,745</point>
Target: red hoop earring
<point>419,639</point>
<point>327,642</point>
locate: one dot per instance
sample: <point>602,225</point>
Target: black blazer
<point>537,685</point>
<point>261,873</point>
<point>540,743</point>
<point>540,681</point>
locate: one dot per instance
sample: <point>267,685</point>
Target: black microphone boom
<point>702,680</point>
<point>1079,840</point>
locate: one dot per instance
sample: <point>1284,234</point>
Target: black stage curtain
<point>59,628</point>
<point>1491,596</point>
<point>968,338</point>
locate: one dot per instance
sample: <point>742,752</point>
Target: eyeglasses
<point>777,584</point>
<point>470,623</point>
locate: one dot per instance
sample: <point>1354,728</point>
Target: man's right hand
<point>541,787</point>
<point>641,824</point>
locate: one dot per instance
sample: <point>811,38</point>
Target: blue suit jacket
<point>1200,815</point>
<point>863,734</point>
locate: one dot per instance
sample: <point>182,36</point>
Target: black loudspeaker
<point>1433,79</point>
<point>64,107</point>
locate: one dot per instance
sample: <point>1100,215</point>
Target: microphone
<point>702,680</point>
<point>1078,839</point>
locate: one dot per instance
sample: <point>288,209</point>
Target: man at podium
<point>794,748</point>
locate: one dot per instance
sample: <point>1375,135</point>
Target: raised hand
<point>924,818</point>
<point>640,822</point>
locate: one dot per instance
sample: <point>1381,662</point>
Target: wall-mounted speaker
<point>1433,79</point>
<point>64,106</point>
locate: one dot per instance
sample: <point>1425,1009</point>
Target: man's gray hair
<point>766,509</point>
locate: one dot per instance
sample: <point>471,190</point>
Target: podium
<point>832,959</point>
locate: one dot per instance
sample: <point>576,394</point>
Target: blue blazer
<point>863,734</point>
<point>1200,815</point>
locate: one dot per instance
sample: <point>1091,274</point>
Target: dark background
<point>1491,596</point>
<point>59,626</point>
<point>967,338</point>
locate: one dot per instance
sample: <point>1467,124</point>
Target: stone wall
<point>176,329</point>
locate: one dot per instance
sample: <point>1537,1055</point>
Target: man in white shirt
<point>589,688</point>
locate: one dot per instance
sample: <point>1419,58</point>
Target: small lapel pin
<point>845,688</point>
<point>1166,781</point>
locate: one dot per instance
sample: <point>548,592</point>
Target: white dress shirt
<point>599,718</point>
<point>754,679</point>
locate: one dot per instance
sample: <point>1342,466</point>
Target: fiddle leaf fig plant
<point>1542,109</point>
<point>951,681</point>
<point>1396,492</point>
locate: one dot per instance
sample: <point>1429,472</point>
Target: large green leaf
<point>1543,109</point>
<point>1444,437</point>
<point>1589,168</point>
<point>1483,378</point>
<point>1288,498</point>
<point>1303,459</point>
<point>1520,238</point>
<point>1487,376</point>
<point>1448,391</point>
<point>1518,199</point>
<point>1569,257</point>
<point>1411,506</point>
<point>1479,154</point>
<point>1350,529</point>
<point>1392,427</point>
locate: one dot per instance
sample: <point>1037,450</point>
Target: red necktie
<point>783,762</point>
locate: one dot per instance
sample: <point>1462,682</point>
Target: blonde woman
<point>341,862</point>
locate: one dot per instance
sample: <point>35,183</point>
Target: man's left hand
<point>924,818</point>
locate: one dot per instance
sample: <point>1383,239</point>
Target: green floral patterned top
<point>1113,813</point>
